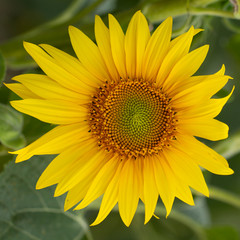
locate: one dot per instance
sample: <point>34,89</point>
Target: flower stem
<point>212,12</point>
<point>224,196</point>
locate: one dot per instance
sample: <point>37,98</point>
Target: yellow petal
<point>183,192</point>
<point>137,36</point>
<point>60,165</point>
<point>180,37</point>
<point>208,109</point>
<point>177,186</point>
<point>140,165</point>
<point>142,38</point>
<point>164,186</point>
<point>179,87</point>
<point>186,67</point>
<point>55,141</point>
<point>78,192</point>
<point>110,196</point>
<point>130,46</point>
<point>90,163</point>
<point>175,53</point>
<point>88,53</point>
<point>156,49</point>
<point>51,67</point>
<point>199,93</point>
<point>117,40</point>
<point>210,129</point>
<point>51,111</point>
<point>128,191</point>
<point>45,87</point>
<point>21,91</point>
<point>221,72</point>
<point>205,156</point>
<point>104,45</point>
<point>186,169</point>
<point>150,188</point>
<point>100,182</point>
<point>73,66</point>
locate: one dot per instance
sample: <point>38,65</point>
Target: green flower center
<point>132,118</point>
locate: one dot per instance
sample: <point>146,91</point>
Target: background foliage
<point>26,213</point>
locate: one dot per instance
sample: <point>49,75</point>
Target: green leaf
<point>26,213</point>
<point>11,123</point>
<point>222,233</point>
<point>2,68</point>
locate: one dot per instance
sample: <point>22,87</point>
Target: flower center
<point>132,118</point>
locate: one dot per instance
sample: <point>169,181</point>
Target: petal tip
<point>147,219</point>
<point>25,43</point>
<point>96,222</point>
<point>58,192</point>
<point>15,103</point>
<point>67,206</point>
<point>38,185</point>
<point>229,171</point>
<point>126,220</point>
<point>206,193</point>
<point>97,18</point>
<point>111,18</point>
<point>170,18</point>
<point>71,29</point>
<point>28,45</point>
<point>10,152</point>
<point>169,21</point>
<point>127,224</point>
<point>20,158</point>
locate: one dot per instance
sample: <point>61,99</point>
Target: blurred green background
<point>26,213</point>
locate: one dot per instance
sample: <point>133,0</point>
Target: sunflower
<point>127,111</point>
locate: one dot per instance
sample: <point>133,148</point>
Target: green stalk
<point>224,196</point>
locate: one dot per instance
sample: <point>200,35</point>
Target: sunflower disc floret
<point>132,118</point>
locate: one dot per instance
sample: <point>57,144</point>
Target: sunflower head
<point>127,111</point>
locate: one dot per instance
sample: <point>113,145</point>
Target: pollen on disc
<point>132,118</point>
